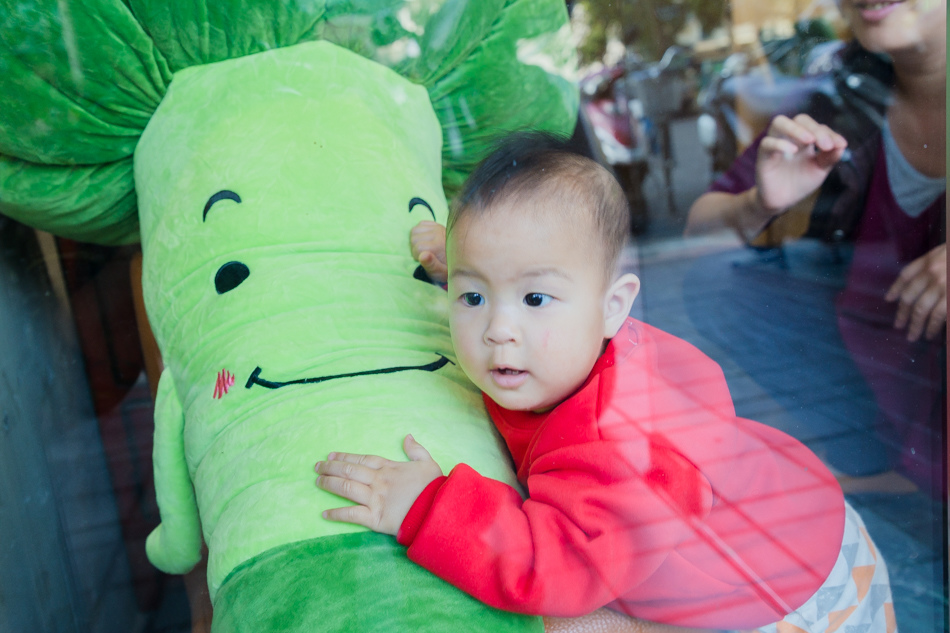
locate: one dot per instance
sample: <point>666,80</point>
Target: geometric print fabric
<point>856,596</point>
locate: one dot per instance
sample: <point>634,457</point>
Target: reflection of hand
<point>427,241</point>
<point>794,158</point>
<point>921,292</point>
<point>385,490</point>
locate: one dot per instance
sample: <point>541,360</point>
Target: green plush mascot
<point>272,157</point>
<point>276,193</point>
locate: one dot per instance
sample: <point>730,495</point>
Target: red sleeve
<point>774,532</point>
<point>417,513</point>
<point>591,530</point>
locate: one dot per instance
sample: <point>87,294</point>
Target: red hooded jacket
<point>645,494</point>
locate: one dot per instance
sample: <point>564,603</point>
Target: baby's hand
<point>427,241</point>
<point>384,490</point>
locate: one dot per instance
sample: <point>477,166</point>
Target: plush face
<point>529,298</point>
<point>282,290</point>
<point>241,239</point>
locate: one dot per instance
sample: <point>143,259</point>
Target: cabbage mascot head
<point>272,157</point>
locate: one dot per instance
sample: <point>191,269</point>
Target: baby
<point>645,492</point>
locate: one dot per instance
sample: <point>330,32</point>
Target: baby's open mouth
<point>255,377</point>
<point>508,377</point>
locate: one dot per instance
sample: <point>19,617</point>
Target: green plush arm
<point>175,545</point>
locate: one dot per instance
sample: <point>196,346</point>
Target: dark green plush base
<point>352,582</point>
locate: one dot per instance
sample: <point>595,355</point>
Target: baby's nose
<point>502,328</point>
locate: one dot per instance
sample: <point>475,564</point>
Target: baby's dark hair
<point>526,164</point>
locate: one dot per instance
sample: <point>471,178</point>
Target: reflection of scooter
<point>764,93</point>
<point>660,92</point>
<point>619,137</point>
<point>720,129</point>
<point>765,89</point>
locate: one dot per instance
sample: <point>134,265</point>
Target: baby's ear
<point>618,301</point>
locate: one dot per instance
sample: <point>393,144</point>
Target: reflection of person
<point>646,493</point>
<point>887,191</point>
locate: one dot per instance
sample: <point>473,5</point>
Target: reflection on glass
<point>839,307</point>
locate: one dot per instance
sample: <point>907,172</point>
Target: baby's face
<point>527,304</point>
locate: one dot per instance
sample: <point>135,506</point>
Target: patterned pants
<point>856,597</point>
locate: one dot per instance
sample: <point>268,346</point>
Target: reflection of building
<point>776,18</point>
<point>753,21</point>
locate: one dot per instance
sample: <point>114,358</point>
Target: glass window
<point>799,309</point>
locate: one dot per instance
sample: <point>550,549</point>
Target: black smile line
<point>254,379</point>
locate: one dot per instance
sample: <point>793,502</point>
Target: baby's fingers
<point>347,488</point>
<point>370,461</point>
<point>434,267</point>
<point>425,227</point>
<point>414,450</point>
<point>426,235</point>
<point>346,470</point>
<point>360,515</point>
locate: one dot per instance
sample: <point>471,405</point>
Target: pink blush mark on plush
<point>224,382</point>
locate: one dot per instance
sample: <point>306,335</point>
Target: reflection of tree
<point>710,13</point>
<point>647,26</point>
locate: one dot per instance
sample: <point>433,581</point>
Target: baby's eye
<point>536,299</point>
<point>472,299</point>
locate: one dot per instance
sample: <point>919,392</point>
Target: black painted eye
<point>421,274</point>
<point>230,276</point>
<point>224,194</point>
<point>417,201</point>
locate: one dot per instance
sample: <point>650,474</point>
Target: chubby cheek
<point>574,359</point>
<point>545,340</point>
<point>466,350</point>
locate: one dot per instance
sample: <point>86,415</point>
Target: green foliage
<point>647,26</point>
<point>710,13</point>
